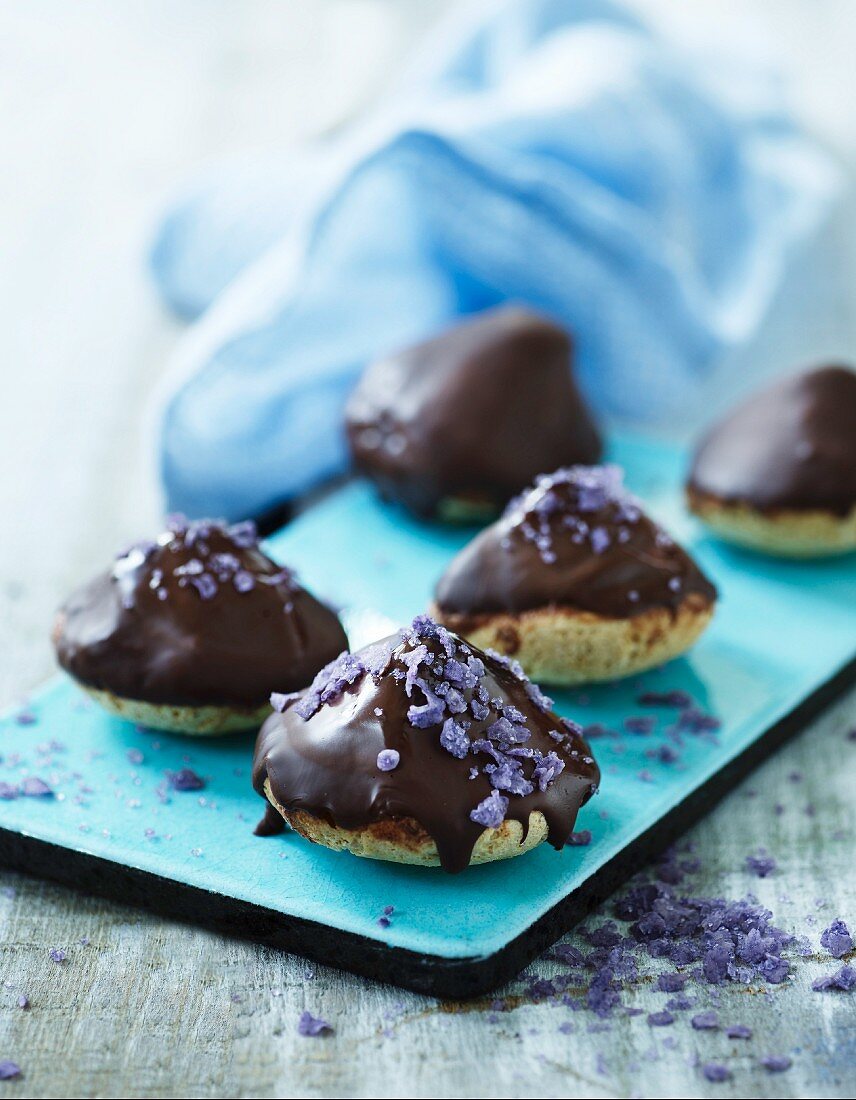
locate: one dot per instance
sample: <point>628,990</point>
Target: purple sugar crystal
<point>715,1071</point>
<point>313,1026</point>
<point>491,811</point>
<point>739,1031</point>
<point>330,684</point>
<point>639,723</point>
<point>776,1063</point>
<point>58,955</point>
<point>677,699</point>
<point>388,759</point>
<point>579,840</point>
<point>705,1021</point>
<point>33,787</point>
<point>9,1070</point>
<point>661,1019</point>
<point>843,980</point>
<point>243,581</point>
<point>761,864</point>
<point>837,939</point>
<point>546,770</point>
<point>600,540</point>
<point>281,701</point>
<point>671,983</point>
<point>454,739</point>
<point>185,779</point>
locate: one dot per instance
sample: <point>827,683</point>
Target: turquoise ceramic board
<point>782,632</point>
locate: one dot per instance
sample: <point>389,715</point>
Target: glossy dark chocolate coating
<point>792,446</point>
<point>472,415</point>
<point>116,635</point>
<point>501,571</point>
<point>327,766</point>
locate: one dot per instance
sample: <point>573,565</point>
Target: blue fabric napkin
<point>553,152</point>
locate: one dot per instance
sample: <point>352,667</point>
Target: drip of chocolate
<point>424,727</point>
<point>271,823</point>
<point>790,446</point>
<point>472,415</point>
<point>198,617</point>
<point>577,540</point>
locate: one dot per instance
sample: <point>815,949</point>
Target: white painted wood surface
<point>103,108</point>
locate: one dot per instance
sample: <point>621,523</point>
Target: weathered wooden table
<point>105,107</point>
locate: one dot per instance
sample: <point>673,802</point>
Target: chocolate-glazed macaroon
<point>577,583</point>
<point>190,631</point>
<point>422,749</point>
<point>455,426</point>
<point>778,473</point>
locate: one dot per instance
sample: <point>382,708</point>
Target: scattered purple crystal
<point>739,1031</point>
<point>185,779</point>
<point>281,701</point>
<point>33,787</point>
<point>837,939</point>
<point>776,1063</point>
<point>640,723</point>
<point>313,1026</point>
<point>388,759</point>
<point>705,1021</point>
<point>677,699</point>
<point>9,1070</point>
<point>761,864</point>
<point>491,811</point>
<point>715,1071</point>
<point>661,1019</point>
<point>58,955</point>
<point>579,840</point>
<point>843,980</point>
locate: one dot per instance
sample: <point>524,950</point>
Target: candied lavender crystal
<point>776,1063</point>
<point>312,1026</point>
<point>739,1031</point>
<point>563,503</point>
<point>185,779</point>
<point>837,939</point>
<point>843,980</point>
<point>34,787</point>
<point>705,1021</point>
<point>715,1071</point>
<point>9,1070</point>
<point>491,811</point>
<point>761,864</point>
<point>388,759</point>
<point>206,572</point>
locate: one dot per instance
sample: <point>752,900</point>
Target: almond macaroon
<point>421,749</point>
<point>454,427</point>
<point>778,473</point>
<point>576,583</point>
<point>189,631</point>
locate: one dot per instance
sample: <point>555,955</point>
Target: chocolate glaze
<point>143,631</point>
<point>575,540</point>
<point>472,415</point>
<point>327,764</point>
<point>790,446</point>
<point>271,823</point>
